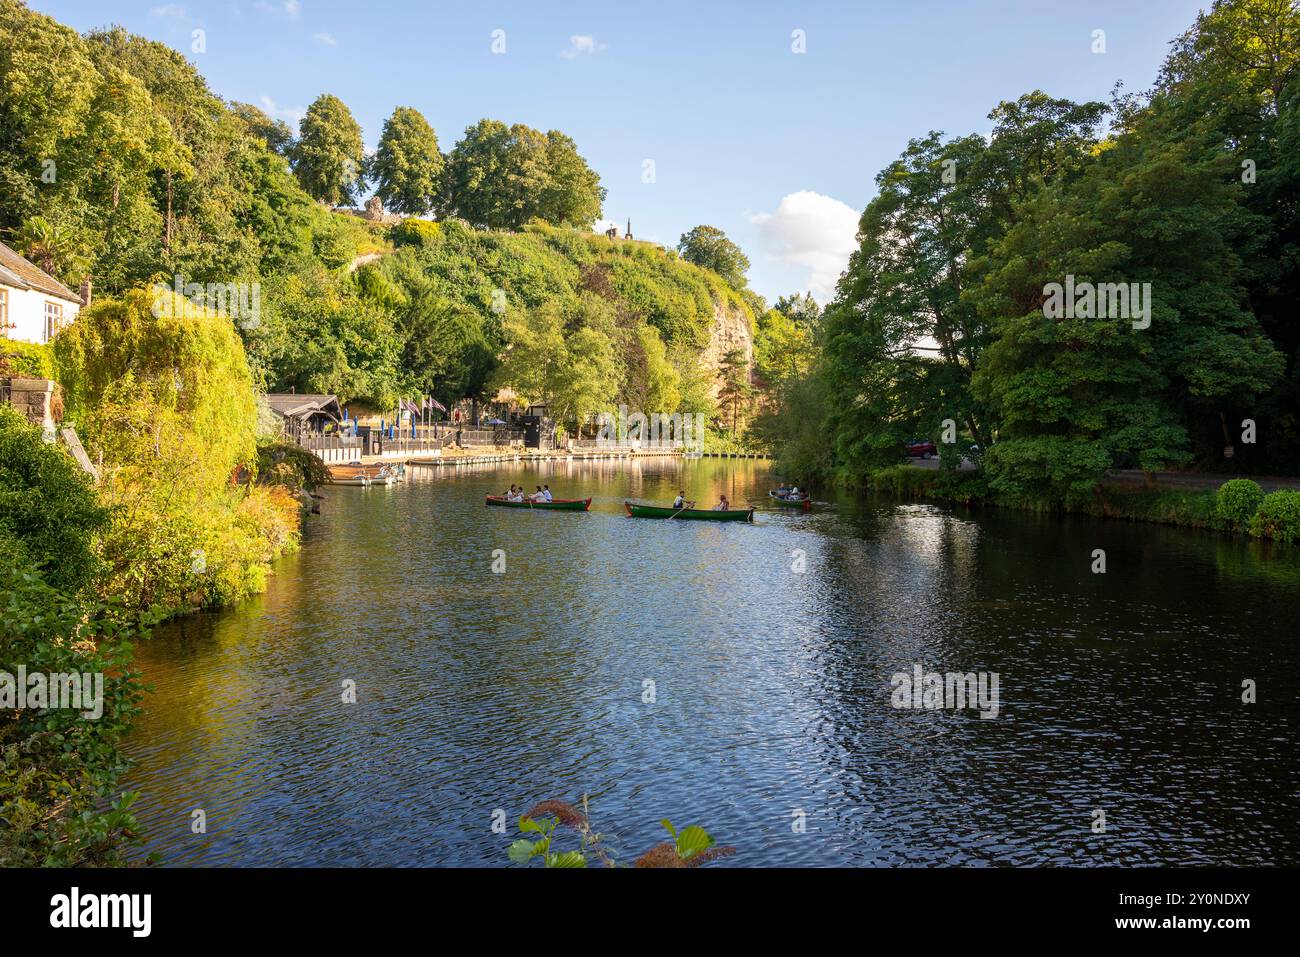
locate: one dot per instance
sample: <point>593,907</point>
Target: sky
<point>769,120</point>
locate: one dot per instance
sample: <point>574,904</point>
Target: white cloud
<point>291,115</point>
<point>814,232</point>
<point>325,39</point>
<point>168,10</point>
<point>579,45</point>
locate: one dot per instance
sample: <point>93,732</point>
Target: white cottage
<point>33,304</point>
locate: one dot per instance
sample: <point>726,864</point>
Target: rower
<point>723,505</point>
<point>546,493</point>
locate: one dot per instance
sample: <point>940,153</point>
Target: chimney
<point>85,292</point>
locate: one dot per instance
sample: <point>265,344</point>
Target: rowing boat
<point>803,501</point>
<point>557,505</point>
<point>354,473</point>
<point>691,514</point>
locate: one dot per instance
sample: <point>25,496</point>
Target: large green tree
<point>407,166</point>
<point>328,157</point>
<point>501,177</point>
<point>709,248</point>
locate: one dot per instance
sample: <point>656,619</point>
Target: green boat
<point>691,514</point>
<point>803,501</point>
<point>558,505</point>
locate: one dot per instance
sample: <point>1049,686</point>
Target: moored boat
<point>556,505</point>
<point>689,514</point>
<point>365,475</point>
<point>801,501</point>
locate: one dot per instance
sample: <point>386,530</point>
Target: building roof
<point>18,272</point>
<point>293,405</point>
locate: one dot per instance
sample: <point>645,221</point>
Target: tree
<point>735,388</point>
<point>407,166</point>
<point>561,361</point>
<point>709,248</point>
<point>328,155</point>
<point>274,133</point>
<point>56,249</point>
<point>502,177</point>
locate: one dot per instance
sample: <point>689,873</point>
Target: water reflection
<point>479,691</point>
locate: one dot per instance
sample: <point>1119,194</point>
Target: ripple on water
<point>477,692</point>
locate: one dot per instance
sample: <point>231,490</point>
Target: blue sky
<point>777,148</point>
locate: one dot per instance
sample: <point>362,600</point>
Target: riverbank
<point>1187,507</point>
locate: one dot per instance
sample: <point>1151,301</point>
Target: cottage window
<point>53,319</point>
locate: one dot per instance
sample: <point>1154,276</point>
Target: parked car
<point>921,448</point>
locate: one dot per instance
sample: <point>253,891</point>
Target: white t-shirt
<point>678,503</point>
<point>546,495</point>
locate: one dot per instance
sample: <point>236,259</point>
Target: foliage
<point>709,248</point>
<point>562,360</point>
<point>1237,501</point>
<point>503,177</point>
<point>691,847</point>
<point>58,769</point>
<point>407,166</point>
<point>165,353</point>
<point>328,155</point>
<point>285,463</point>
<point>27,359</point>
<point>48,510</point>
<point>940,314</point>
<point>1278,517</point>
<point>167,400</point>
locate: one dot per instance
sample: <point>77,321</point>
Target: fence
<point>332,448</point>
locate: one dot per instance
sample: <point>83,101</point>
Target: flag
<point>432,403</point>
<point>411,407</point>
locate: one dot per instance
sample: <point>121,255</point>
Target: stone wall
<point>37,399</point>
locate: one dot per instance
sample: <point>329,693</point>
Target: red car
<point>922,448</point>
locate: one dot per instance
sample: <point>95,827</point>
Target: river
<point>729,675</point>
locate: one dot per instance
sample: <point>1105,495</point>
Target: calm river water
<point>771,721</point>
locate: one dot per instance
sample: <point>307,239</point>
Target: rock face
<point>730,331</point>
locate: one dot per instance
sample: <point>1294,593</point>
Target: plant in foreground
<point>690,847</point>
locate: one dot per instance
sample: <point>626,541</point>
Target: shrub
<point>27,359</point>
<point>414,232</point>
<point>280,462</point>
<point>58,769</point>
<point>1237,501</point>
<point>48,510</point>
<point>1278,517</point>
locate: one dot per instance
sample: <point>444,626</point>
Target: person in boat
<point>680,502</point>
<point>515,494</point>
<point>538,496</point>
<point>546,494</point>
<point>723,505</point>
<point>782,490</point>
<point>794,492</point>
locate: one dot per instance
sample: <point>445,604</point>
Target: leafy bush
<point>58,769</point>
<point>288,464</point>
<point>28,359</point>
<point>48,510</point>
<point>414,232</point>
<point>1278,517</point>
<point>1237,501</point>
